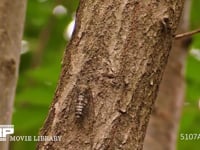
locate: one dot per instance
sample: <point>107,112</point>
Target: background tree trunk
<point>111,73</point>
<point>163,126</point>
<point>11,28</point>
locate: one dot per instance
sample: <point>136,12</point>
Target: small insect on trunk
<point>82,100</point>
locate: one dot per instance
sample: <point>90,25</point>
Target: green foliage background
<point>40,68</point>
<point>190,122</point>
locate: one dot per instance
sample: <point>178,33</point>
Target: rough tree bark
<point>163,126</point>
<point>11,28</point>
<point>113,66</point>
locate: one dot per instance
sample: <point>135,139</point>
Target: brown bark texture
<point>12,14</point>
<point>111,72</point>
<point>162,130</point>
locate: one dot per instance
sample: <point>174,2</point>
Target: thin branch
<point>178,36</point>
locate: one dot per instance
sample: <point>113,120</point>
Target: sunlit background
<point>48,28</point>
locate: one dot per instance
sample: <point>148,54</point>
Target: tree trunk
<point>11,28</point>
<point>163,126</point>
<point>111,74</point>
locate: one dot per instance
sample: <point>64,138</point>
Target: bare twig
<point>178,36</point>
